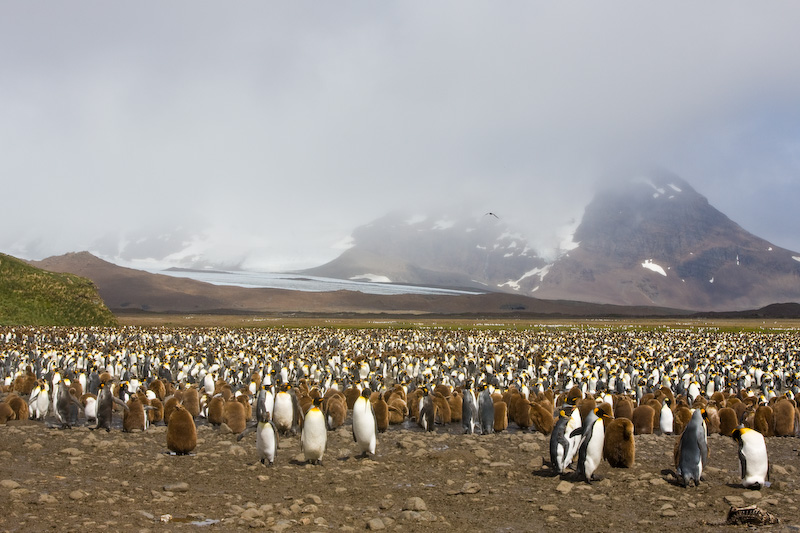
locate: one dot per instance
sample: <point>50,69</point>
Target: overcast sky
<point>262,133</point>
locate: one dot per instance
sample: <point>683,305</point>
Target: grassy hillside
<point>31,296</point>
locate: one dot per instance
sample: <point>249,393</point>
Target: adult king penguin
<point>590,450</point>
<point>692,450</point>
<point>752,457</point>
<point>365,425</point>
<point>469,409</point>
<point>314,436</point>
<point>486,410</point>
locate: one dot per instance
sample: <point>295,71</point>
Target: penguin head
<point>317,402</point>
<point>736,434</point>
<point>366,393</point>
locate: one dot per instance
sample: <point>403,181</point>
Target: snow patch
<point>372,278</point>
<point>541,272</point>
<point>796,258</point>
<point>711,280</point>
<point>674,187</point>
<point>648,264</point>
<point>769,249</point>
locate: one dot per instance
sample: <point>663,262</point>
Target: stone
<point>9,484</point>
<point>415,504</point>
<point>548,508</point>
<point>376,524</point>
<point>180,486</point>
<point>565,487</point>
<point>736,501</point>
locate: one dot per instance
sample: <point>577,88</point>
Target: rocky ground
<point>78,480</point>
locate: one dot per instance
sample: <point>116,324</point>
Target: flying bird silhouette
<point>492,214</point>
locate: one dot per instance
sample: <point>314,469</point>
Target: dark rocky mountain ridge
<point>647,241</point>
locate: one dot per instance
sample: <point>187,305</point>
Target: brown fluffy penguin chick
<point>234,416</point>
<point>335,411</point>
<point>573,395</point>
<point>181,431</point>
<point>19,406</point>
<point>381,409</point>
<point>351,394</point>
<point>623,408</point>
<point>397,410</point>
<point>785,416</point>
<point>156,414</point>
<point>728,421</point>
<point>682,417</point>
<point>643,420</point>
<point>764,421</point>
<point>158,387</point>
<point>500,416</point>
<point>248,409</point>
<point>191,401</point>
<point>6,413</point>
<point>216,410</point>
<point>522,412</point>
<point>455,400</point>
<point>133,417</point>
<point>619,447</point>
<point>442,409</point>
<point>541,418</point>
<point>586,406</point>
<point>169,407</point>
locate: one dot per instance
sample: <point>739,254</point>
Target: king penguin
<point>365,425</point>
<point>692,450</point>
<point>486,410</point>
<point>105,406</point>
<point>667,418</point>
<point>560,443</point>
<point>469,409</point>
<point>286,411</point>
<point>64,402</point>
<point>752,457</point>
<point>314,436</point>
<point>590,450</point>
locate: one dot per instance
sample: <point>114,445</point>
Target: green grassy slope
<point>31,296</point>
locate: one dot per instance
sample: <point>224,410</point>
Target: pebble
<point>180,486</point>
<point>415,504</point>
<point>9,484</point>
<point>565,487</point>
<point>76,495</point>
<point>376,524</point>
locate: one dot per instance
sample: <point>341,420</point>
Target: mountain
<point>34,297</point>
<point>129,290</point>
<point>647,241</point>
<point>657,241</point>
<point>466,252</point>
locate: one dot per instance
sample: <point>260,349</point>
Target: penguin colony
<point>591,390</point>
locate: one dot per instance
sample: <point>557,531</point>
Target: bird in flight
<point>492,214</point>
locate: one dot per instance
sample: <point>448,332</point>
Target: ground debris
<point>750,515</point>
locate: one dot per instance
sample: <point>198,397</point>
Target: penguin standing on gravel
<point>469,409</point>
<point>266,435</point>
<point>590,450</point>
<point>752,457</point>
<point>365,425</point>
<point>105,406</point>
<point>64,403</point>
<point>286,411</point>
<point>666,418</point>
<point>560,444</point>
<point>314,436</point>
<point>486,410</point>
<point>692,450</point>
